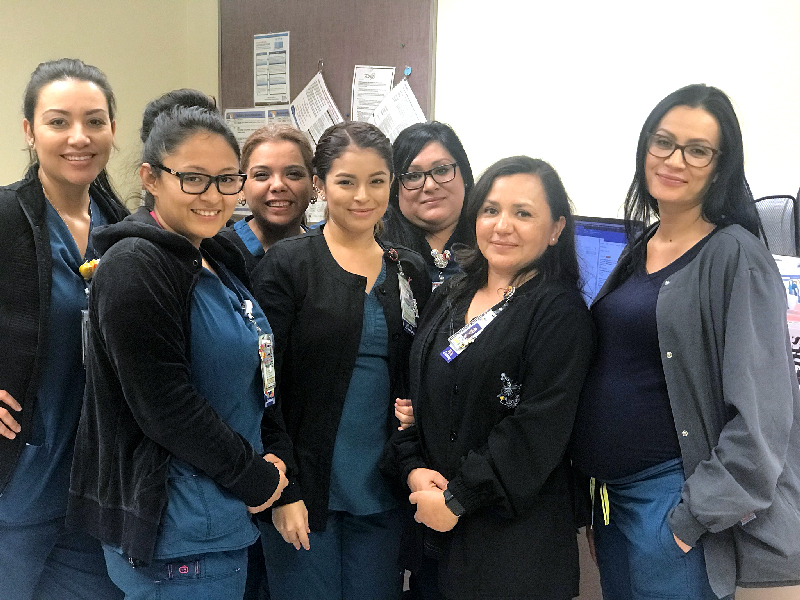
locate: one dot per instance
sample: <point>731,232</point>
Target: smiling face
<point>434,207</point>
<point>194,216</point>
<point>278,186</point>
<point>670,180</point>
<point>357,190</point>
<point>514,225</point>
<point>71,132</point>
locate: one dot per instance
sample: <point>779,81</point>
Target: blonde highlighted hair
<point>277,132</point>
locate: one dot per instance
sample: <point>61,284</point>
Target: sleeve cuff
<point>257,483</point>
<point>291,493</point>
<point>683,524</point>
<point>465,497</point>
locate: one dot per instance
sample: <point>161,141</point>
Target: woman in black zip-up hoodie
<point>168,464</point>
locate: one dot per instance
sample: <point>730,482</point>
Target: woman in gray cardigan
<point>688,420</point>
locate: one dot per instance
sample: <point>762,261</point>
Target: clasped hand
<point>9,427</point>
<point>427,487</point>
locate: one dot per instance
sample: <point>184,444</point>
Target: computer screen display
<point>599,242</point>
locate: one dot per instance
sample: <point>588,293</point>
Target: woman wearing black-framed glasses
<point>688,420</point>
<point>426,203</point>
<point>170,466</point>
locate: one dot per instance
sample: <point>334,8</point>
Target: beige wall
<point>146,48</point>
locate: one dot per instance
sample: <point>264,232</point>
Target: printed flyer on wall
<point>370,86</point>
<point>271,68</point>
<point>398,110</point>
<point>314,110</point>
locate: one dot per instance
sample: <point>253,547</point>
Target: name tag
<point>462,338</point>
<point>408,305</point>
<point>266,352</point>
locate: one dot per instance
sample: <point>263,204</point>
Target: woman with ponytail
<point>46,221</point>
<point>169,465</point>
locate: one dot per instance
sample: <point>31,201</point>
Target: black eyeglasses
<point>440,174</point>
<point>228,184</point>
<point>695,155</point>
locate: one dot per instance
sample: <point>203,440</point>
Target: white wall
<point>572,82</point>
<point>146,48</point>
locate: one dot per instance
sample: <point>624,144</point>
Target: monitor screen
<point>599,242</point>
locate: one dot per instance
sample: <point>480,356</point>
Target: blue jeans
<point>211,576</point>
<point>636,553</point>
<point>46,562</point>
<point>355,558</point>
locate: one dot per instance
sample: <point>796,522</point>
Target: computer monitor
<point>599,242</point>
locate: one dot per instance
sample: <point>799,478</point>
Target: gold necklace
<point>47,197</point>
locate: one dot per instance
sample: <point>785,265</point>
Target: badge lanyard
<point>266,351</point>
<point>462,338</point>
<point>408,305</point>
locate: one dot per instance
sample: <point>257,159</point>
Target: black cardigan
<point>506,466</point>
<point>140,407</point>
<point>25,280</point>
<point>316,309</point>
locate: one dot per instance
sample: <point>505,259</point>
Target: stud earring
<point>318,195</point>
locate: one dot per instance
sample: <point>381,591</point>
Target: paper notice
<point>313,110</point>
<point>271,68</point>
<point>370,86</point>
<point>398,110</point>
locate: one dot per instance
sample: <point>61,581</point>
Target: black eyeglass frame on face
<point>428,173</point>
<point>181,175</point>
<point>693,159</point>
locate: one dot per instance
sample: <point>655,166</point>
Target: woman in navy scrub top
<point>46,221</point>
<point>169,465</point>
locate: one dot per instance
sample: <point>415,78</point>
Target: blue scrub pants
<point>211,576</point>
<point>636,553</point>
<point>355,558</point>
<point>45,562</point>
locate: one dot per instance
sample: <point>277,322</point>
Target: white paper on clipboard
<point>314,110</point>
<point>398,110</point>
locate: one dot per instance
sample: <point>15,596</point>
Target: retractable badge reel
<point>408,305</point>
<point>266,351</point>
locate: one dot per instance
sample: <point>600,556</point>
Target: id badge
<point>408,305</point>
<point>267,354</point>
<point>462,338</point>
<point>84,334</point>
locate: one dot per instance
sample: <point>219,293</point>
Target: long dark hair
<point>172,118</point>
<point>406,147</point>
<point>728,198</point>
<point>59,70</point>
<point>559,262</point>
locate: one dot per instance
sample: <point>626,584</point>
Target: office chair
<point>780,220</point>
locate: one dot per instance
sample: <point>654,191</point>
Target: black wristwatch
<point>453,504</point>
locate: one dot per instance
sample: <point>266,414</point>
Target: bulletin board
<point>341,33</point>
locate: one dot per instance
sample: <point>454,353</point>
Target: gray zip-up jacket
<point>727,360</point>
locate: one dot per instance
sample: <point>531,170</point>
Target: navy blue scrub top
<point>356,485</point>
<point>38,490</point>
<point>201,516</point>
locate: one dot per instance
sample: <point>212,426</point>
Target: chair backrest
<point>780,219</point>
